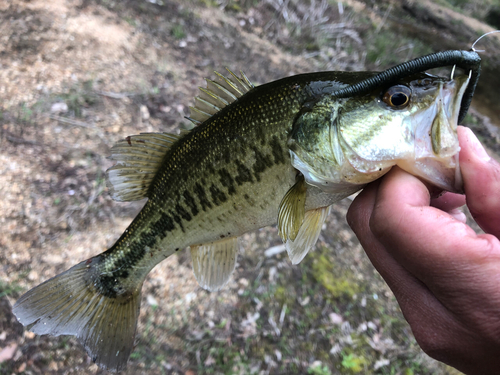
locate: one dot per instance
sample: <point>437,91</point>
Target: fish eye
<point>397,97</point>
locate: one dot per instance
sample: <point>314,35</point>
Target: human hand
<point>445,277</point>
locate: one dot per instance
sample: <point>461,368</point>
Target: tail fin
<point>69,304</point>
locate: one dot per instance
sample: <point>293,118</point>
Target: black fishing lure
<point>466,60</point>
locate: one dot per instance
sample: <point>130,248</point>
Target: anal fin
<point>308,234</point>
<point>213,263</point>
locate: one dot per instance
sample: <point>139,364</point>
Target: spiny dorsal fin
<point>308,234</point>
<point>213,263</point>
<point>138,159</point>
<point>217,95</point>
<point>291,210</point>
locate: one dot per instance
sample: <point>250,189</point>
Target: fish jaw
<point>436,142</point>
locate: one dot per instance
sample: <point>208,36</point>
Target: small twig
<point>384,19</point>
<point>12,139</point>
<point>115,95</point>
<point>282,315</point>
<point>71,122</point>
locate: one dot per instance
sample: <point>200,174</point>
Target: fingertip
<point>470,146</point>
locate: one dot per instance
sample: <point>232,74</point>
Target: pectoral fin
<point>213,263</point>
<point>292,210</point>
<point>308,234</point>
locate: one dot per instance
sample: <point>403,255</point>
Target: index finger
<point>481,176</point>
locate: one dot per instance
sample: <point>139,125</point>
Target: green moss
<point>340,283</point>
<point>280,294</point>
<point>353,363</point>
<point>283,295</point>
<point>319,370</point>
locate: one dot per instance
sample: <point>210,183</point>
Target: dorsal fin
<point>218,94</point>
<point>138,159</point>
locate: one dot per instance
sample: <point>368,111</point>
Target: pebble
<point>59,107</point>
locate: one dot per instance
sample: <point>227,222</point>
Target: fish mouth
<point>455,90</point>
<point>437,149</point>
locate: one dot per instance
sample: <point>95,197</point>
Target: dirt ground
<point>78,75</point>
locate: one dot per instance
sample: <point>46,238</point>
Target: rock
<point>59,107</point>
<point>53,259</point>
<point>144,112</point>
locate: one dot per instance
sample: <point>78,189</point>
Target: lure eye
<point>397,97</point>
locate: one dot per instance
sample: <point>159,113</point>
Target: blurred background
<point>78,75</point>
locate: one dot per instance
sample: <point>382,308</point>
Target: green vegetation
<point>484,10</point>
<point>383,50</point>
<point>353,363</point>
<point>8,289</point>
<point>25,114</point>
<point>318,369</point>
<point>338,282</point>
<point>78,97</point>
<point>178,31</point>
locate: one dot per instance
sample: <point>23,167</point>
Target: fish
<point>279,153</point>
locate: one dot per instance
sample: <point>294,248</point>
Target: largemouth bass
<point>282,152</point>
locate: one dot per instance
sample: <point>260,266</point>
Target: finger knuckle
<point>433,344</point>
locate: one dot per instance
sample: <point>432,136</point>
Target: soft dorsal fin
<point>308,234</point>
<point>217,95</point>
<point>292,210</point>
<point>138,159</point>
<point>213,263</point>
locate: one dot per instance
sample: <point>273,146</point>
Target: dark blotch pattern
<point>262,162</point>
<point>188,198</point>
<point>218,196</point>
<point>227,181</point>
<point>278,153</point>
<point>244,174</point>
<point>178,219</point>
<point>165,223</point>
<point>202,197</point>
<point>182,212</point>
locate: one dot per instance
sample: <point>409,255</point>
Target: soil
<point>78,75</point>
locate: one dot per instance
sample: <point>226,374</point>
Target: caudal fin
<point>69,304</point>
